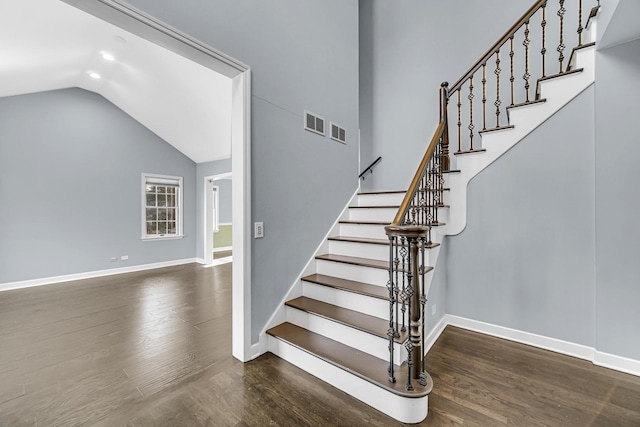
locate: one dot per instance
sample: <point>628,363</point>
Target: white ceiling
<point>47,45</point>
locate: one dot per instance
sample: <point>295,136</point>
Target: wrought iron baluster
<point>497,103</point>
<point>391,332</point>
<point>580,28</point>
<point>543,24</point>
<point>484,96</point>
<point>511,78</point>
<point>423,302</point>
<point>561,46</point>
<point>471,126</point>
<point>526,44</point>
<point>459,121</point>
<point>403,291</point>
<point>396,286</point>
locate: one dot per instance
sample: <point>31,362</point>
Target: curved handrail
<point>406,202</point>
<point>492,50</point>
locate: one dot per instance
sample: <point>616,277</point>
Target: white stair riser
<point>362,250</point>
<point>363,341</point>
<point>363,230</point>
<point>387,199</point>
<point>372,214</point>
<point>375,276</point>
<point>400,408</point>
<point>350,300</point>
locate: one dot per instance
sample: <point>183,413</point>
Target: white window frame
<point>157,179</point>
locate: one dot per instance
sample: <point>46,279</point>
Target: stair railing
<point>410,233</point>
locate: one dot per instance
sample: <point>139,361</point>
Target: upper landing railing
<point>505,76</point>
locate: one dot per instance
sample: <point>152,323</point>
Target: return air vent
<point>338,133</point>
<point>313,123</point>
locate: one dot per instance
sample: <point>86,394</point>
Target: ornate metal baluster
<point>526,44</point>
<point>543,24</point>
<point>511,78</point>
<point>471,126</point>
<point>498,102</point>
<point>580,28</point>
<point>403,291</point>
<point>396,286</point>
<point>423,302</point>
<point>391,332</point>
<point>484,96</point>
<point>459,121</point>
<point>409,296</point>
<point>561,45</point>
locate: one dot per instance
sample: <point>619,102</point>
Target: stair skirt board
<point>403,409</point>
<point>347,335</point>
<point>346,299</point>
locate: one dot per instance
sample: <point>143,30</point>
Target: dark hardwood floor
<point>153,349</point>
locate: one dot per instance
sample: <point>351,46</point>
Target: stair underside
<point>363,322</point>
<point>356,362</point>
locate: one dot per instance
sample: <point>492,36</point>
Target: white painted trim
<point>225,248</point>
<point>580,351</point>
<point>208,206</point>
<point>435,334</point>
<point>92,274</point>
<point>241,207</point>
<point>617,363</point>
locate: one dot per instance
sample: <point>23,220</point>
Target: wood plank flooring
<point>154,349</point>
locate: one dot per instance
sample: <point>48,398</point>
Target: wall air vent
<point>338,133</point>
<point>313,123</point>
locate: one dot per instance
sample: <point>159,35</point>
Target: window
<point>161,206</point>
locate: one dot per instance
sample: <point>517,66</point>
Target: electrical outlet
<point>113,259</point>
<point>124,257</point>
<point>433,310</point>
<point>258,230</point>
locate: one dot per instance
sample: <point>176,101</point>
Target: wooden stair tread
<point>524,104</point>
<point>372,193</point>
<point>360,240</point>
<point>367,289</point>
<point>374,207</point>
<point>364,222</point>
<point>365,262</point>
<point>354,361</point>
<point>496,129</point>
<point>362,322</point>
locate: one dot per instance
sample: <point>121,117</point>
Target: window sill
<point>155,238</point>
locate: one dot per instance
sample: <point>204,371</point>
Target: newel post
<point>444,101</point>
<point>412,296</point>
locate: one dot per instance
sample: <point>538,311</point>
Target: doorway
<point>218,224</point>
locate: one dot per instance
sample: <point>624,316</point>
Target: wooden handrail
<point>492,50</point>
<point>404,207</point>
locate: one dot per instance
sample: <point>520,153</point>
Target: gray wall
<point>70,186</point>
<point>526,258</point>
<point>303,55</point>
<point>617,202</point>
<point>407,49</point>
<point>216,167</point>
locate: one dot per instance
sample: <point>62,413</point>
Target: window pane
<point>171,227</point>
<point>171,200</point>
<point>162,228</point>
<point>151,188</point>
<point>171,214</point>
<point>151,199</point>
<point>162,214</point>
<point>152,214</point>
<point>162,200</point>
<point>151,227</point>
<point>171,190</point>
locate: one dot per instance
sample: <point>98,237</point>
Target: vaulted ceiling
<point>48,45</point>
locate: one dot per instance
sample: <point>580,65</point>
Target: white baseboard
<point>91,274</point>
<point>222,249</point>
<point>580,351</point>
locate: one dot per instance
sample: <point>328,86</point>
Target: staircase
<point>337,328</point>
<point>338,322</point>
